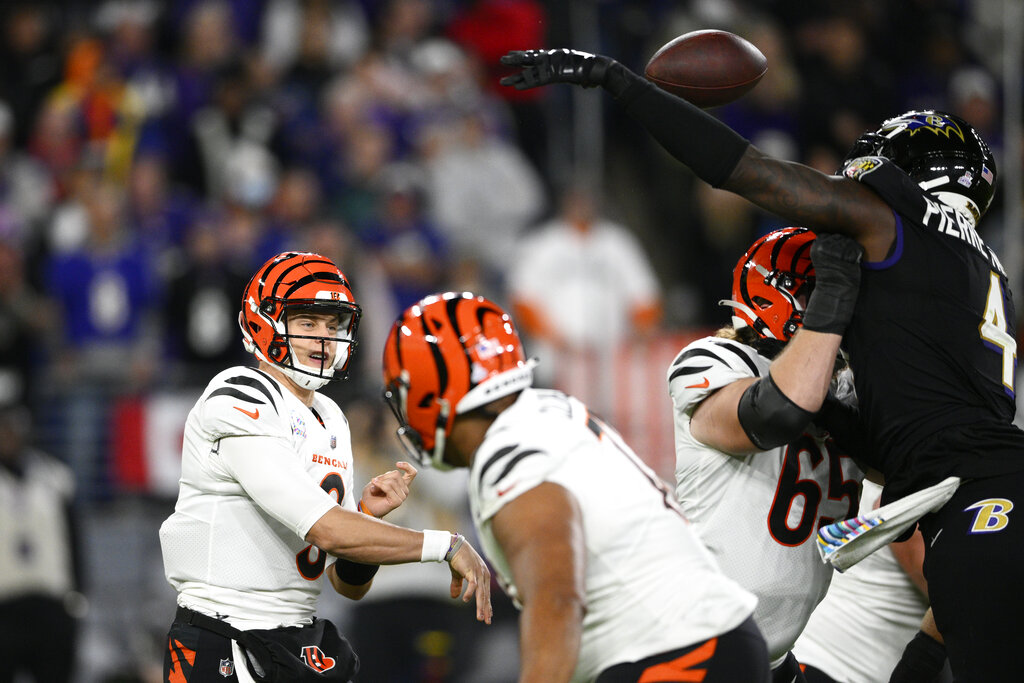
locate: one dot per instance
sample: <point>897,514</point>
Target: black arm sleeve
<point>769,417</point>
<point>700,141</point>
<point>355,573</point>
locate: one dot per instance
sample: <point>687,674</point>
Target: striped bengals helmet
<point>446,355</point>
<point>771,283</point>
<point>290,282</point>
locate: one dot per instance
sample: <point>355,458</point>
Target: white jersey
<point>258,469</point>
<point>758,514</point>
<point>36,559</point>
<point>650,584</point>
<point>873,608</point>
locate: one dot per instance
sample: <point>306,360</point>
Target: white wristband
<point>435,545</point>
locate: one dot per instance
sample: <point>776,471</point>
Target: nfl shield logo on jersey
<point>227,667</point>
<point>334,441</point>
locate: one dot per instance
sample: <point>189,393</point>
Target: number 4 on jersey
<point>993,329</point>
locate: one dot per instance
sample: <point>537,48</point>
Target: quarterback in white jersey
<point>232,500</point>
<point>266,507</point>
<point>585,538</point>
<point>874,608</point>
<point>753,474</point>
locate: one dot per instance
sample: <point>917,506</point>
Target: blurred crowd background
<point>154,154</point>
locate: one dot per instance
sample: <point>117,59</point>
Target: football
<point>707,68</point>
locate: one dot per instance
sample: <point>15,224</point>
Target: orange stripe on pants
<point>176,673</point>
<point>678,670</point>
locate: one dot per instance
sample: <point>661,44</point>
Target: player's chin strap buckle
<point>845,543</point>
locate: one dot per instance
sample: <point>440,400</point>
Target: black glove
<point>542,67</point>
<point>922,660</point>
<point>836,261</point>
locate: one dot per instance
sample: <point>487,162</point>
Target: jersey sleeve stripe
<point>688,370</point>
<point>697,353</point>
<point>270,381</point>
<point>741,353</point>
<point>255,384</point>
<point>513,462</point>
<point>498,455</point>
<point>235,393</point>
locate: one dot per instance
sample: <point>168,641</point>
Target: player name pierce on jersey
<point>949,221</point>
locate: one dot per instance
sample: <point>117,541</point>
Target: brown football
<point>707,68</point>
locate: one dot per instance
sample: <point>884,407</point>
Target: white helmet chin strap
<point>317,378</point>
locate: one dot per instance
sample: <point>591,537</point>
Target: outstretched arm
<point>718,155</point>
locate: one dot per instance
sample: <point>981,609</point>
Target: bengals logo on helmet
<point>771,283</point>
<point>448,354</point>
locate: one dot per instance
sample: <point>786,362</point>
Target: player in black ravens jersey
<point>931,342</point>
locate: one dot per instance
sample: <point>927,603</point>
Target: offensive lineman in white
<point>753,473</point>
<point>267,499</point>
<point>612,583</point>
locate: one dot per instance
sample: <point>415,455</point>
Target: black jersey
<point>932,344</point>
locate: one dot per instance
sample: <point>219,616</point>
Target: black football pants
<point>974,564</point>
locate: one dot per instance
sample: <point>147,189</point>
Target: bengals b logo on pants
<point>315,659</point>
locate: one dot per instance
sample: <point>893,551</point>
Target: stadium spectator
<point>30,52</point>
<point>287,25</point>
<point>159,213</point>
<point>267,463</point>
<point>25,319</point>
<point>406,242</point>
<point>582,286</point>
<point>912,193</point>
<point>41,599</point>
<point>235,120</point>
<point>200,319</point>
<point>487,29</point>
<point>106,291</point>
<point>584,538</point>
<point>26,189</point>
<point>465,162</point>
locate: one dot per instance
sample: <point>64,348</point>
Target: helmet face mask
<point>772,282</point>
<point>445,356</point>
<point>396,395</point>
<point>287,288</point>
<point>941,152</point>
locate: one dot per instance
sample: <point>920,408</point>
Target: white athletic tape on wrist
<point>435,545</point>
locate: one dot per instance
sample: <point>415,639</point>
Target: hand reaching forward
<point>466,564</point>
<point>387,491</point>
<point>541,67</point>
